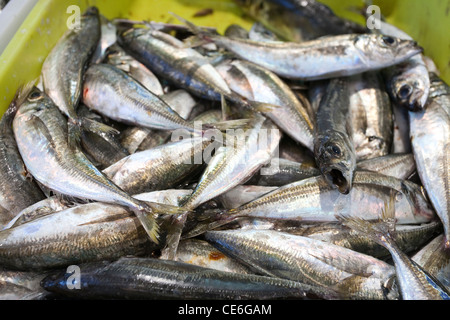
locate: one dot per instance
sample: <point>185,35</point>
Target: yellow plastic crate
<point>426,21</point>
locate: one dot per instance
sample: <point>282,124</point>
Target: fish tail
<point>202,33</point>
<point>147,219</point>
<point>98,128</point>
<point>149,211</point>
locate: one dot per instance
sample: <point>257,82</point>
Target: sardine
<point>88,232</point>
<point>334,150</point>
<point>258,84</point>
<point>415,283</point>
<point>20,285</point>
<point>202,253</point>
<point>324,58</point>
<point>408,83</point>
<point>149,278</point>
<point>370,115</point>
<point>41,134</point>
<point>111,92</point>
<point>63,70</point>
<point>315,201</point>
<point>408,237</point>
<point>18,190</point>
<point>309,261</point>
<point>297,20</point>
<point>430,139</point>
<point>159,168</point>
<point>435,259</point>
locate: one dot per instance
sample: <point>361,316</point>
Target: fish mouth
<point>338,179</point>
<point>412,98</point>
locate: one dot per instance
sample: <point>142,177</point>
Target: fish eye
<point>335,150</point>
<point>388,40</point>
<point>35,95</point>
<point>405,91</point>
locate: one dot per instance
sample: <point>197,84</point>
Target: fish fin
<point>202,33</point>
<point>74,135</point>
<point>40,126</point>
<point>382,230</point>
<point>19,97</point>
<point>173,237</point>
<point>227,125</point>
<point>98,128</point>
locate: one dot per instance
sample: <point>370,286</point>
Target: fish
<point>233,164</point>
<point>414,282</point>
<point>142,138</point>
<point>334,150</point>
<point>370,116</point>
<point>397,165</point>
<point>64,68</point>
<point>409,238</point>
<point>21,285</point>
<point>202,253</point>
<point>83,233</point>
<point>323,58</point>
<point>430,140</point>
<point>41,133</point>
<point>39,209</point>
<point>149,278</point>
<point>258,84</point>
<point>286,172</point>
<point>408,83</point>
<point>297,20</point>
<point>18,189</point>
<point>314,262</point>
<point>169,58</point>
<point>112,93</point>
<point>102,150</point>
<point>117,56</point>
<point>434,258</point>
<point>159,168</point>
<point>313,200</point>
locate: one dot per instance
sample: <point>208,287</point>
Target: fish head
<point>35,103</point>
<point>384,51</point>
<point>410,91</point>
<point>336,159</point>
<point>128,36</point>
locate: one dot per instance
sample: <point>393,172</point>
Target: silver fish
<point>334,150</point>
<point>309,261</point>
<point>430,138</point>
<point>63,69</point>
<point>17,189</point>
<point>258,84</point>
<point>408,83</point>
<point>370,116</point>
<point>324,58</point>
<point>435,259</point>
<point>149,278</point>
<point>202,253</point>
<point>41,133</point>
<point>415,283</point>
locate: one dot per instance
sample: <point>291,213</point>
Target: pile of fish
<point>306,158</point>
